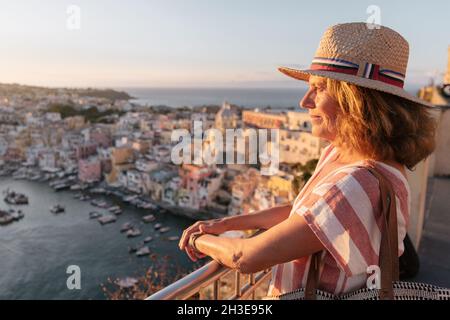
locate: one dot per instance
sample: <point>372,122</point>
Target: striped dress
<point>343,210</point>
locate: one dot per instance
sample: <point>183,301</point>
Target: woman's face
<point>322,107</point>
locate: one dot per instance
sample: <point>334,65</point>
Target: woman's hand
<point>216,226</point>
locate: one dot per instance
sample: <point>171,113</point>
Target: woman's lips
<point>316,118</point>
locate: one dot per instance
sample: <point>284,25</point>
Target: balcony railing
<point>213,273</point>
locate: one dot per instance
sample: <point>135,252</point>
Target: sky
<point>197,43</point>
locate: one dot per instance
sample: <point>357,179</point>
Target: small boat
<point>17,215</point>
<point>133,232</point>
<point>148,218</point>
<point>129,198</point>
<point>15,198</point>
<point>116,211</point>
<point>107,219</point>
<point>147,205</point>
<point>157,226</point>
<point>113,208</point>
<point>132,249</point>
<point>75,187</point>
<point>148,239</point>
<point>99,203</point>
<point>57,208</point>
<point>173,238</point>
<point>144,251</point>
<point>98,190</point>
<point>164,229</point>
<point>126,226</point>
<point>85,197</point>
<point>94,215</point>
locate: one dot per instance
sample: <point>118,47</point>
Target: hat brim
<point>304,74</point>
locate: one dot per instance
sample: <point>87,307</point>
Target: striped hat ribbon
<point>365,70</point>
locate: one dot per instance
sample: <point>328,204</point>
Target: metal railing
<point>212,273</point>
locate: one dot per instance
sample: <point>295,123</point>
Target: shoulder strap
<point>388,256</point>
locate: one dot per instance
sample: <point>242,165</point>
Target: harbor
<point>37,248</point>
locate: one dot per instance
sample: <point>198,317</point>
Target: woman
<point>357,102</point>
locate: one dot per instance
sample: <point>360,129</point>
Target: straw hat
<point>374,58</point>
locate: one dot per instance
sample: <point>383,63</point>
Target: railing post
<point>252,282</point>
<point>237,284</point>
<point>216,289</point>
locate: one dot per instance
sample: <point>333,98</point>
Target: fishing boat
<point>144,251</point>
<point>133,232</point>
<point>129,198</point>
<point>126,226</point>
<point>157,226</point>
<point>57,209</point>
<point>107,219</point>
<point>116,211</point>
<point>15,198</point>
<point>148,239</point>
<point>17,215</point>
<point>99,203</point>
<point>5,218</point>
<point>94,215</point>
<point>173,238</point>
<point>148,218</point>
<point>164,229</point>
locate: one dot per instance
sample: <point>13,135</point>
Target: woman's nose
<point>307,101</point>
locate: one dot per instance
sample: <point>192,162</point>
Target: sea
<point>283,98</point>
<point>36,252</point>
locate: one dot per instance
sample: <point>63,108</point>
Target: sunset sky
<point>149,43</point>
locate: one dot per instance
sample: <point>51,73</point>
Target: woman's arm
<point>264,219</point>
<point>286,241</point>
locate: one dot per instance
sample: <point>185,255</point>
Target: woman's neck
<point>345,156</point>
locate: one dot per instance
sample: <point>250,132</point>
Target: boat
<point>94,215</point>
<point>15,198</point>
<point>17,215</point>
<point>116,211</point>
<point>85,197</point>
<point>5,218</point>
<point>126,226</point>
<point>61,186</point>
<point>144,251</point>
<point>107,219</point>
<point>132,249</point>
<point>164,229</point>
<point>75,187</point>
<point>148,218</point>
<point>129,198</point>
<point>148,239</point>
<point>173,238</point>
<point>57,209</point>
<point>133,232</point>
<point>157,226</point>
<point>99,203</point>
<point>98,190</point>
<point>113,208</point>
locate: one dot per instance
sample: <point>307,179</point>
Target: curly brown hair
<point>382,126</point>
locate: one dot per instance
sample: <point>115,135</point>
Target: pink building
<point>89,169</point>
<point>86,150</point>
<point>101,139</point>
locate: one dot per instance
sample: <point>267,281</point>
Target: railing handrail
<point>187,286</point>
